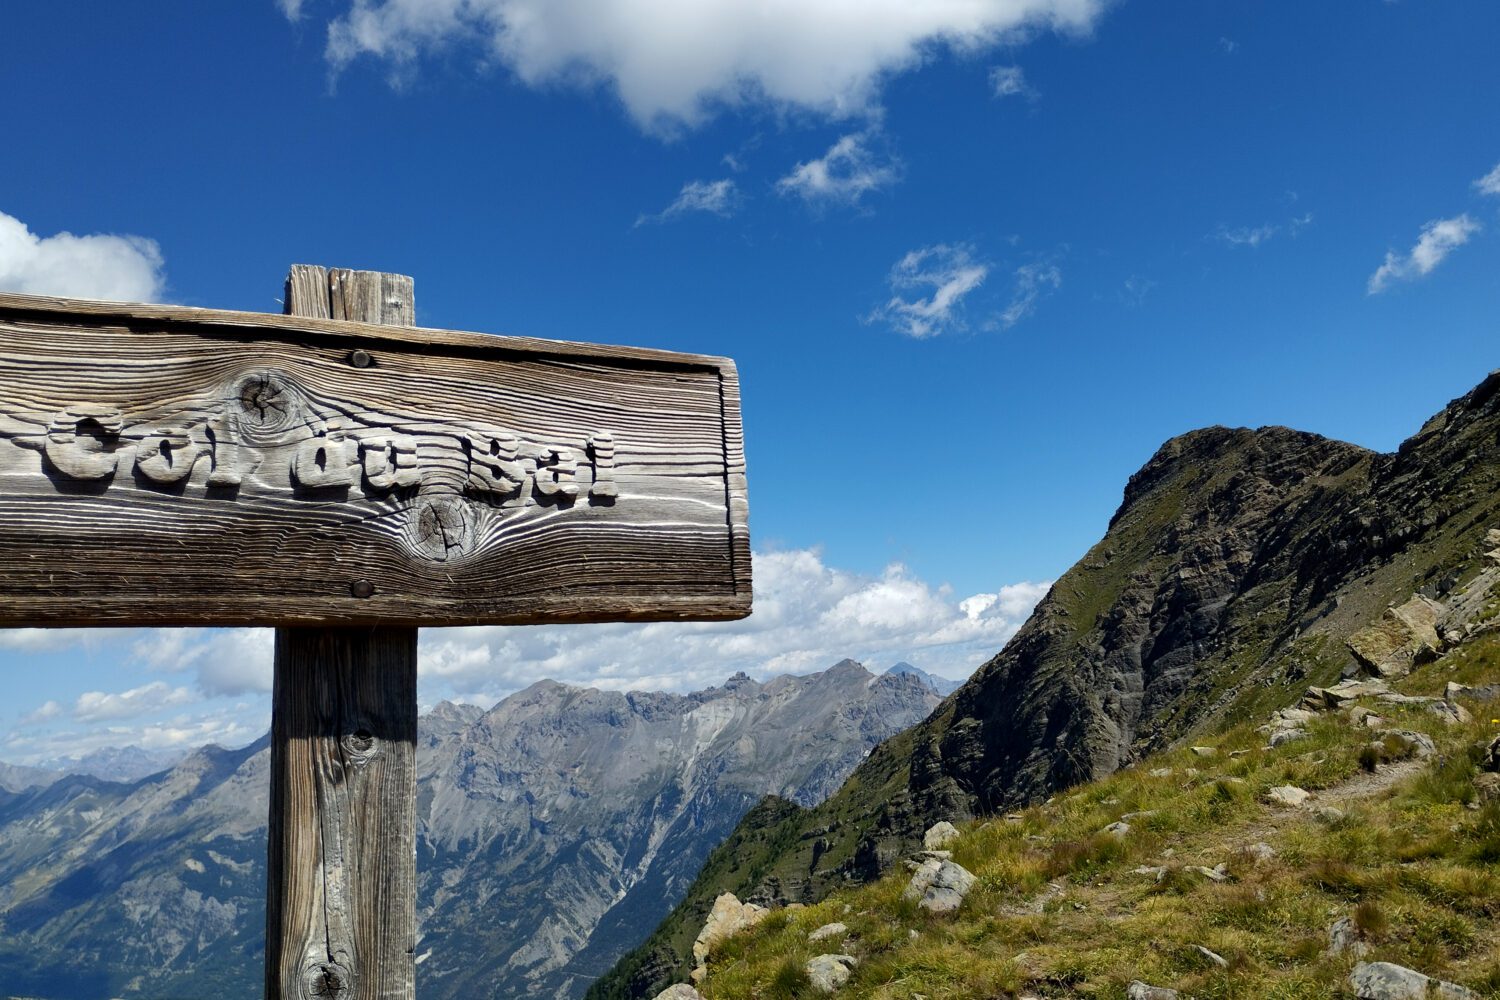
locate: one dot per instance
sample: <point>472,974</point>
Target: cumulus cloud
<point>1010,81</point>
<point>843,175</point>
<point>227,662</point>
<point>950,271</point>
<point>45,712</point>
<point>99,266</point>
<point>808,615</point>
<point>714,197</point>
<point>1490,182</point>
<point>99,706</point>
<point>673,62</point>
<point>1438,239</point>
<point>1029,285</point>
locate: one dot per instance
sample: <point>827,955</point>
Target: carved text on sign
<point>93,443</point>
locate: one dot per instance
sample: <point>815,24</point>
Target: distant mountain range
<point>554,831</point>
<point>125,764</point>
<point>941,686</point>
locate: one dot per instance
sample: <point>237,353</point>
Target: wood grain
<point>341,870</point>
<point>341,866</point>
<point>171,466</point>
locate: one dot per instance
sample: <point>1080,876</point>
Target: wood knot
<point>442,527</point>
<point>326,979</point>
<point>359,746</point>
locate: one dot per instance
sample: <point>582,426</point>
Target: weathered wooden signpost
<point>346,477</point>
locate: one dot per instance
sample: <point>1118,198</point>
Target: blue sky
<point>975,261</point>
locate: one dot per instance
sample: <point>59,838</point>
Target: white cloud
<point>1229,45</point>
<point>1254,236</point>
<point>1010,81</point>
<point>227,661</point>
<point>51,640</point>
<point>843,175</point>
<point>291,8</point>
<point>100,706</point>
<point>1490,182</point>
<point>45,712</point>
<point>1439,238</point>
<point>807,616</point>
<point>674,62</point>
<point>714,197</point>
<point>1031,283</point>
<point>118,268</point>
<point>950,271</point>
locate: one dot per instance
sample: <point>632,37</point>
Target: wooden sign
<point>173,466</point>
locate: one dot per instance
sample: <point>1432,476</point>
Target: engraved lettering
<point>323,461</point>
<point>81,440</point>
<point>390,462</point>
<point>495,463</point>
<point>556,472</point>
<point>166,455</point>
<point>602,453</point>
<point>224,455</point>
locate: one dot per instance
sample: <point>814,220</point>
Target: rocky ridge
<point>1238,566</point>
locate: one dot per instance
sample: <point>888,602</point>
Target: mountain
<point>941,686</point>
<point>554,830</point>
<point>126,764</point>
<point>1235,566</point>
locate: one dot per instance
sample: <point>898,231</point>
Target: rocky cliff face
<point>554,830</point>
<point>1237,561</point>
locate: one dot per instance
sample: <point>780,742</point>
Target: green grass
<point>1059,911</point>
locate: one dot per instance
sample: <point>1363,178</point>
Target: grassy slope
<point>1419,528</point>
<point>1058,910</point>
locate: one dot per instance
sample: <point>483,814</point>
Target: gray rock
<point>1261,851</point>
<point>679,991</point>
<point>1329,814</point>
<point>1450,712</point>
<point>1403,637</point>
<point>828,972</point>
<point>833,930</point>
<point>1288,795</point>
<point>1487,785</point>
<point>1287,735</point>
<point>1387,981</point>
<point>1138,990</point>
<point>949,885</point>
<point>728,918</point>
<point>922,879</point>
<point>939,835</point>
<point>1117,829</point>
<point>1343,938</point>
<point>1416,744</point>
<point>1203,751</point>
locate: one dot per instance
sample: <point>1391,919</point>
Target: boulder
<point>1288,795</point>
<point>1404,636</point>
<point>1203,751</point>
<point>1387,981</point>
<point>1260,852</point>
<point>828,972</point>
<point>939,835</point>
<point>728,917</point>
<point>1281,736</point>
<point>1487,784</point>
<point>1450,712</point>
<point>1138,990</point>
<point>949,885</point>
<point>1117,829</point>
<point>836,929</point>
<point>679,991</point>
<point>1415,744</point>
<point>1319,699</point>
<point>922,879</point>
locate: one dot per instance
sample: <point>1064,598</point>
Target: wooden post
<point>341,867</point>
